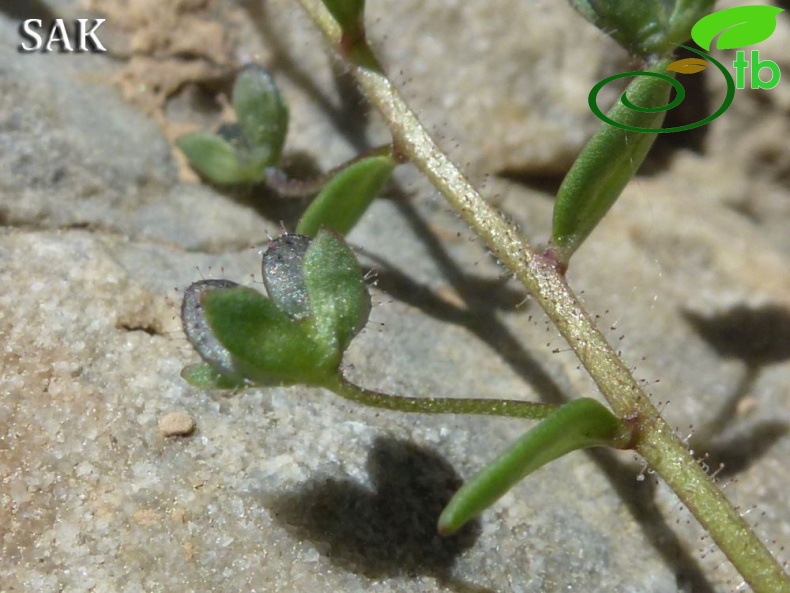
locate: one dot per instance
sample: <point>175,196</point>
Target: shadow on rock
<point>758,337</point>
<point>21,10</point>
<point>389,528</point>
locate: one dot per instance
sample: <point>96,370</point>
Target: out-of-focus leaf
<point>217,160</point>
<point>346,196</point>
<point>347,13</point>
<point>261,112</point>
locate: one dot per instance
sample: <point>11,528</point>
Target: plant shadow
<point>758,337</point>
<point>387,529</point>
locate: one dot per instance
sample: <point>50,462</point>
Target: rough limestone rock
<point>293,489</point>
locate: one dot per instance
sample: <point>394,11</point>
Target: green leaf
<point>217,160</point>
<point>684,16</point>
<point>204,376</point>
<point>610,159</point>
<point>267,346</point>
<point>637,26</point>
<point>347,13</point>
<point>338,297</point>
<point>346,196</point>
<point>739,26</point>
<point>261,113</point>
<point>576,425</point>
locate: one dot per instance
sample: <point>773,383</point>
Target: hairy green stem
<point>439,405</point>
<point>654,439</point>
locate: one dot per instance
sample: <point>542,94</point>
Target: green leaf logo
<point>739,27</point>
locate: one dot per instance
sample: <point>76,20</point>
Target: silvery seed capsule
<point>283,276</point>
<point>197,329</point>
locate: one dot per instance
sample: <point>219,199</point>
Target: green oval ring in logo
<point>680,95</point>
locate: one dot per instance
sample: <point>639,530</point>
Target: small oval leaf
<point>261,112</point>
<point>267,346</point>
<point>217,160</point>
<point>346,196</point>
<point>688,66</point>
<point>739,26</point>
<point>338,296</point>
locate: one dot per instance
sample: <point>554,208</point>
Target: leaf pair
<point>317,303</point>
<point>241,152</point>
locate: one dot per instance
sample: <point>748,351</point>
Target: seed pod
<point>283,276</point>
<point>197,329</point>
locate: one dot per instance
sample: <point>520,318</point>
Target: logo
<point>735,27</point>
<point>81,38</point>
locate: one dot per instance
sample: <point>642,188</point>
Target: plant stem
<point>540,275</point>
<point>439,405</point>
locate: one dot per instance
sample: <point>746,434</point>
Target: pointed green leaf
<point>346,196</point>
<point>267,346</point>
<point>338,297</point>
<point>347,13</point>
<point>217,160</point>
<point>261,113</point>
<point>576,425</point>
<point>685,15</point>
<point>739,26</point>
<point>611,158</point>
<point>637,26</point>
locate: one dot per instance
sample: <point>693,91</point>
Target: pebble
<point>176,424</point>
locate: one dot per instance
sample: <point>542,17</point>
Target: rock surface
<point>295,490</point>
